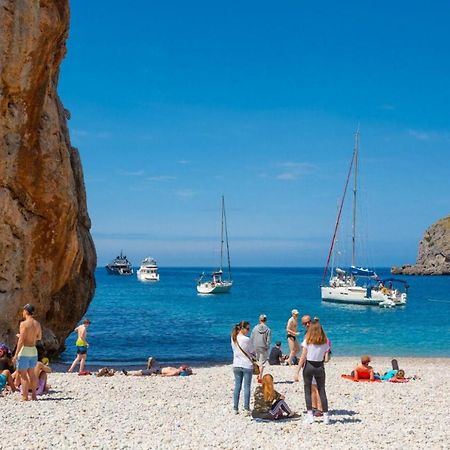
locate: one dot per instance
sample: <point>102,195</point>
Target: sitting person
<point>154,368</point>
<point>41,372</point>
<point>6,368</point>
<point>276,357</point>
<point>269,404</point>
<point>6,380</point>
<point>363,371</point>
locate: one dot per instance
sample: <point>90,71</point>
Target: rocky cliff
<point>47,256</point>
<point>434,252</point>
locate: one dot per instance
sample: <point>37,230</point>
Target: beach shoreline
<point>196,411</point>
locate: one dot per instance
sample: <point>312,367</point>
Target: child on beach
<point>269,404</point>
<point>82,346</point>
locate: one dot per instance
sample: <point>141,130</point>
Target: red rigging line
<point>338,217</point>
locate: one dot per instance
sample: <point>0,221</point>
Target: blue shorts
<point>81,350</point>
<point>26,362</point>
<point>3,381</point>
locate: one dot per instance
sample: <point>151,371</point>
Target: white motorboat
<point>148,270</point>
<point>343,286</point>
<point>216,285</point>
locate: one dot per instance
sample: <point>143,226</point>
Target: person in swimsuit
<point>292,334</point>
<point>82,346</point>
<point>154,368</point>
<point>26,355</point>
<point>363,370</point>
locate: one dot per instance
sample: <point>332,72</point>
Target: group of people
<point>26,368</point>
<point>253,348</point>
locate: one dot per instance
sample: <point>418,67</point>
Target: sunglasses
<point>306,323</point>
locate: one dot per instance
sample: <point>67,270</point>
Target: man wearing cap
<point>26,353</point>
<point>292,333</point>
<point>261,337</point>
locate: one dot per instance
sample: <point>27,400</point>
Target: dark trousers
<point>317,370</point>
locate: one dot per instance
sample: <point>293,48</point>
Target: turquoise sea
<point>169,320</point>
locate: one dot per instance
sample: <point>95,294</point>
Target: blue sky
<point>175,103</point>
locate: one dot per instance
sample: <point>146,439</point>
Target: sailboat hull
<point>214,288</point>
<point>355,295</point>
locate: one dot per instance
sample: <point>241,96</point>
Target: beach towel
<point>350,377</point>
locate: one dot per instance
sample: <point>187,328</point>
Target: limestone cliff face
<point>47,256</point>
<point>434,252</point>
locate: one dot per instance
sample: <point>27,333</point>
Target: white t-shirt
<point>315,352</point>
<point>239,359</point>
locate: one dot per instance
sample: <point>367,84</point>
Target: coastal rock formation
<point>47,256</point>
<point>434,252</point>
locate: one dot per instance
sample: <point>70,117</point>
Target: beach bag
<point>255,368</point>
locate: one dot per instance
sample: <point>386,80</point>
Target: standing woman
<point>315,352</point>
<point>243,352</point>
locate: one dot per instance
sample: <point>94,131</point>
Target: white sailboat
<point>217,285</point>
<point>343,286</point>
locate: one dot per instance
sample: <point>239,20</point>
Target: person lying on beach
<point>391,374</point>
<point>154,368</point>
<point>268,403</point>
<point>363,371</point>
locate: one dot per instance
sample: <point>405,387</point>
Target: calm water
<point>131,320</point>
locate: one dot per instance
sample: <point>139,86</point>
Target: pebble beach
<point>195,412</point>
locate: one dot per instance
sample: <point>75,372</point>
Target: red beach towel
<point>350,377</point>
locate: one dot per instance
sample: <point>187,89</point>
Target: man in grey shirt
<point>261,337</point>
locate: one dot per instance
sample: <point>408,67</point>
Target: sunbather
<point>363,371</point>
<point>154,368</point>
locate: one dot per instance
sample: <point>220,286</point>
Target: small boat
<point>120,266</point>
<point>148,270</point>
<point>343,286</point>
<point>217,285</point>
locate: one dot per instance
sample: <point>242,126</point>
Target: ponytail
<point>238,327</point>
<point>235,332</point>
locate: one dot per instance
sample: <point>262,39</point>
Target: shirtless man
<point>26,354</point>
<point>82,346</point>
<point>292,334</point>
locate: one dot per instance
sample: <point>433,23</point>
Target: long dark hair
<point>238,327</point>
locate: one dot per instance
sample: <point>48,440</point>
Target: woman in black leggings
<point>315,352</point>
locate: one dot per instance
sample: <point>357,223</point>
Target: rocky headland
<point>47,256</point>
<point>434,252</point>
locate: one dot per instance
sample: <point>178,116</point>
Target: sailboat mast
<point>338,219</point>
<point>226,238</point>
<point>221,236</point>
<point>355,185</point>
